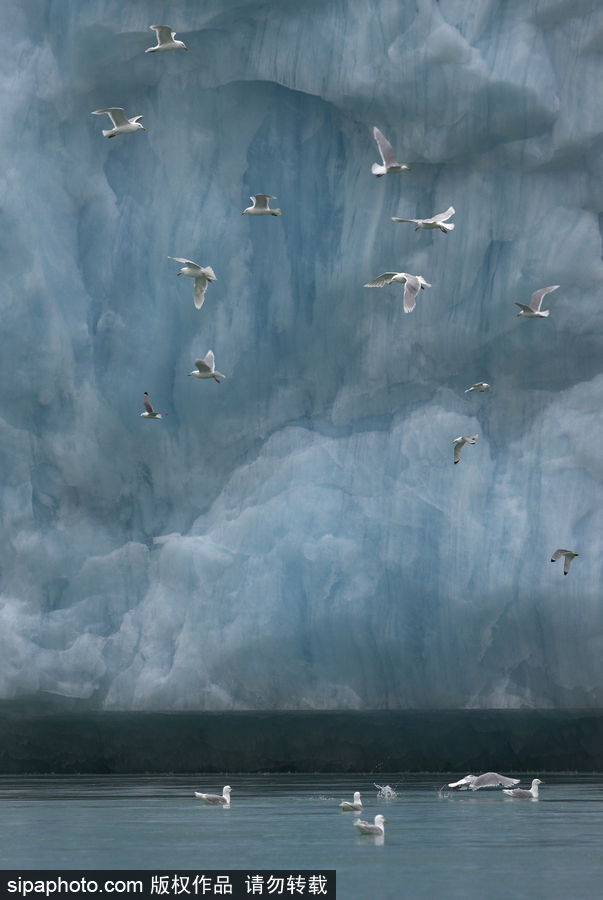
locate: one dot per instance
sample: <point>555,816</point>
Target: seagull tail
<point>545,312</point>
<point>107,132</point>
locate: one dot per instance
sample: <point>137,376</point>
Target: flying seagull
<point>412,285</point>
<point>460,443</point>
<point>354,805</point>
<point>121,125</point>
<point>206,368</point>
<point>438,221</point>
<point>522,794</point>
<point>478,386</point>
<point>569,555</point>
<point>533,310</point>
<point>201,275</point>
<point>390,163</point>
<point>165,39</point>
<point>489,779</point>
<point>367,828</point>
<point>215,799</point>
<point>149,412</point>
<point>260,206</point>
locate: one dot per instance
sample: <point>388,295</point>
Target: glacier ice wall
<point>298,537</point>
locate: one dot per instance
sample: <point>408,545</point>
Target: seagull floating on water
<point>489,779</point>
<point>522,794</point>
<point>201,275</point>
<point>533,310</point>
<point>460,443</point>
<point>438,221</point>
<point>390,163</point>
<point>121,125</point>
<point>260,206</point>
<point>569,555</point>
<point>412,285</point>
<point>215,799</point>
<point>354,805</point>
<point>206,368</point>
<point>165,39</point>
<point>478,386</point>
<point>367,828</point>
<point>149,412</point>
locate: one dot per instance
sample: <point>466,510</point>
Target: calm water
<point>468,845</point>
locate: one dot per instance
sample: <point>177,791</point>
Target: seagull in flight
<point>533,310</point>
<point>215,799</point>
<point>478,386</point>
<point>260,206</point>
<point>438,221</point>
<point>206,368</point>
<point>460,443</point>
<point>522,794</point>
<point>390,163</point>
<point>149,412</point>
<point>489,779</point>
<point>165,39</point>
<point>412,285</point>
<point>121,125</point>
<point>569,555</point>
<point>201,275</point>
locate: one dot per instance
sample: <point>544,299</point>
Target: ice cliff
<point>297,536</point>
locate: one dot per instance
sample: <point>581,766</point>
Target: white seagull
<point>460,443</point>
<point>569,555</point>
<point>412,285</point>
<point>215,799</point>
<point>390,164</point>
<point>489,779</point>
<point>149,412</point>
<point>533,310</point>
<point>165,39</point>
<point>260,206</point>
<point>478,386</point>
<point>354,805</point>
<point>206,368</point>
<point>522,794</point>
<point>367,828</point>
<point>121,125</point>
<point>201,275</point>
<point>438,221</point>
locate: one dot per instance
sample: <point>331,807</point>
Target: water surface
<point>437,845</point>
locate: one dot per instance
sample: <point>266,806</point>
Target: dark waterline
<point>43,739</point>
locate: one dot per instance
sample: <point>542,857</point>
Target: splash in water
<point>385,792</point>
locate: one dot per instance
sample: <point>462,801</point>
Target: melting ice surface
<point>465,846</point>
<point>297,536</point>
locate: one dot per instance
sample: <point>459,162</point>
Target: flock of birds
<point>413,284</point>
<point>468,783</point>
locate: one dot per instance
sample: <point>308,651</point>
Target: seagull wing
<point>260,201</point>
<point>442,217</point>
<point>146,404</point>
<point>116,114</point>
<point>200,288</point>
<point>567,564</point>
<point>492,779</point>
<point>382,280</point>
<point>135,118</point>
<point>385,149</point>
<point>416,221</point>
<point>457,450</point>
<point>537,296</point>
<point>411,289</point>
<point>208,364</point>
<point>464,783</point>
<point>164,33</point>
<point>557,555</point>
<point>187,262</point>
